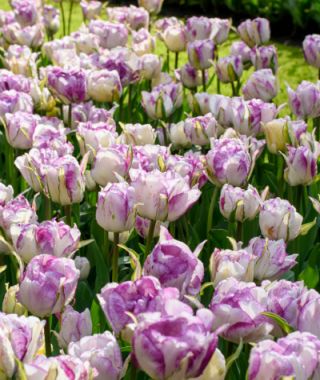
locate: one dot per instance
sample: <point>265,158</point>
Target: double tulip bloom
<point>201,54</point>
<point>305,101</point>
<point>229,69</point>
<point>262,84</point>
<point>254,32</point>
<point>311,49</point>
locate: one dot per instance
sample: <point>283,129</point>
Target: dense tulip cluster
<point>130,188</point>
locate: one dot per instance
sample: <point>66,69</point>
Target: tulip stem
<point>319,73</point>
<point>106,247</point>
<point>204,85</point>
<point>133,372</point>
<point>11,171</point>
<point>316,126</point>
<point>68,214</point>
<point>47,337</point>
<point>280,164</point>
<point>70,116</point>
<point>149,239</point>
<point>115,257</point>
<point>70,16</point>
<point>168,60</point>
<point>176,63</point>
<point>239,231</point>
<point>218,86</point>
<point>47,208</point>
<point>63,18</point>
<point>234,92</point>
<point>211,208</point>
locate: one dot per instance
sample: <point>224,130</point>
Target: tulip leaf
<point>135,262</point>
<point>20,373</point>
<point>205,286</point>
<point>233,357</point>
<point>282,323</point>
<point>310,276</point>
<point>3,268</point>
<point>305,228</point>
<point>84,243</point>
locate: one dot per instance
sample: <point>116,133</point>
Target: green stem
<point>129,113</point>
<point>218,86</point>
<point>11,170</point>
<point>70,16</point>
<point>63,16</point>
<point>316,126</point>
<point>168,60</point>
<point>239,231</point>
<point>47,337</point>
<point>106,247</point>
<point>280,164</point>
<point>204,85</point>
<point>70,116</point>
<point>211,208</point>
<point>319,73</point>
<point>47,208</point>
<point>176,62</point>
<point>149,238</point>
<point>68,214</point>
<point>115,257</point>
<point>234,92</point>
<point>133,372</point>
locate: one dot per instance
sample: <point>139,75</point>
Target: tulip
<point>20,127</point>
<point>51,19</point>
<point>198,28</point>
<point>301,166</point>
<point>162,196</point>
<point>21,339</point>
<point>85,42</point>
<point>118,14</point>
<point>91,9</point>
<point>10,304</point>
<point>239,306</point>
<point>142,226</point>
<point>143,42</point>
<point>239,48</point>
<point>147,157</point>
<point>260,113</point>
<point>12,101</point>
<point>175,265</point>
<point>64,181</point>
<point>220,30</point>
<point>163,23</point>
<point>116,207</point>
<point>308,308</point>
<point>238,203</point>
<point>201,54</point>
<point>117,158</point>
<point>150,66</point>
<point>58,367</point>
<point>305,101</point>
<point>262,84</point>
<point>294,355</point>
<point>23,239</point>
<point>20,60</point>
<point>104,86</point>
<point>138,18</point>
<point>88,112</point>
<point>152,6</point>
<point>25,12</point>
<point>6,17</point>
<point>174,38</point>
<point>16,211</point>
<point>227,263</point>
<point>162,101</point>
<point>189,347</point>
<point>228,161</point>
<point>31,36</point>
<point>9,81</point>
<point>70,86</point>
<point>83,265</point>
<point>272,258</point>
<point>264,57</point>
<point>254,32</point>
<point>6,195</point>
<point>66,43</point>
<point>138,134</point>
<point>278,219</point>
<point>229,69</point>
<point>102,352</point>
<point>49,293</point>
<point>111,35</point>
<point>74,326</point>
<point>311,49</point>
<point>135,297</point>
<point>189,76</point>
<point>276,133</point>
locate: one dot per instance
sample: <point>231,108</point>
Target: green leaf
<point>135,262</point>
<point>83,297</point>
<point>310,276</point>
<point>282,323</point>
<point>305,228</point>
<point>20,373</point>
<point>84,243</point>
<point>233,357</point>
<point>205,286</point>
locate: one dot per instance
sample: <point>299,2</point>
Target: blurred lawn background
<point>292,66</point>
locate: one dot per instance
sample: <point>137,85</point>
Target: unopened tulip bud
<point>10,304</point>
<point>90,9</point>
<point>305,101</point>
<point>198,28</point>
<point>201,54</point>
<point>276,133</point>
<point>189,76</point>
<point>254,32</point>
<point>311,49</point>
<point>265,57</point>
<point>229,69</point>
<point>174,38</point>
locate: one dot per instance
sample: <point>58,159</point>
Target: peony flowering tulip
<point>239,48</point>
<point>186,347</point>
<point>9,81</point>
<point>254,32</point>
<point>152,6</point>
<point>262,84</point>
<point>238,306</point>
<point>20,60</point>
<point>87,43</point>
<point>272,258</point>
<point>278,219</point>
<point>220,30</point>
<point>175,265</point>
<point>311,49</point>
<point>227,263</point>
<point>116,207</point>
<point>142,226</point>
<point>138,134</point>
<point>25,12</point>
<point>229,69</point>
<point>264,57</point>
<point>74,326</point>
<point>189,76</point>
<point>143,42</point>
<point>138,18</point>
<point>259,114</point>
<point>150,66</point>
<point>70,86</point>
<point>198,28</point>
<point>31,35</point>
<point>104,86</point>
<point>162,196</point>
<point>238,203</point>
<point>174,38</point>
<point>90,9</point>
<point>228,161</point>
<point>201,54</point>
<point>276,133</point>
<point>13,101</point>
<point>6,194</point>
<point>305,101</point>
<point>111,35</point>
<point>51,19</point>
<point>10,304</point>
<point>102,352</point>
<point>48,285</point>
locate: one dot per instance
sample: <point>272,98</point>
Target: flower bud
<point>83,265</point>
<point>116,207</point>
<point>201,54</point>
<point>10,304</point>
<point>229,69</point>
<point>311,49</point>
<point>91,9</point>
<point>152,6</point>
<point>51,19</point>
<point>174,38</point>
<point>276,133</point>
<point>262,84</point>
<point>278,219</point>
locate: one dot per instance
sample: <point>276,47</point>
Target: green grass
<point>292,67</point>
